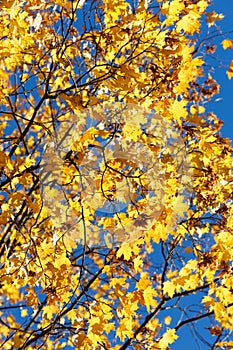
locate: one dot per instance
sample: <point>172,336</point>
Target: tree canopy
<point>116,183</point>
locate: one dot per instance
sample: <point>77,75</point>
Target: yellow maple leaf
<point>230,70</point>
<point>144,281</point>
<point>180,206</point>
<point>167,320</point>
<point>202,5</point>
<point>207,300</point>
<point>28,162</point>
<point>131,132</point>
<point>50,310</point>
<point>194,109</point>
<point>227,44</point>
<point>24,312</point>
<point>169,288</point>
<point>72,315</point>
<point>138,263</point>
<point>168,338</point>
<point>189,23</point>
<point>149,294</point>
<point>124,250</point>
<point>175,7</point>
<point>60,261</point>
<point>125,329</point>
<point>178,110</point>
<point>18,341</point>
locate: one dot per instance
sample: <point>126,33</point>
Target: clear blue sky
<point>224,108</point>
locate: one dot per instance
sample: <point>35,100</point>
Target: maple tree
<point>116,184</point>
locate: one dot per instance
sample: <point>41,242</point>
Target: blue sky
<point>224,107</point>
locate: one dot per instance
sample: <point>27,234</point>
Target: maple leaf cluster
<point>116,184</point>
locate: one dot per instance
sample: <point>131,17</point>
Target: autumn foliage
<point>116,184</point>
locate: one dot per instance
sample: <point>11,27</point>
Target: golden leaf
<point>227,44</point>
